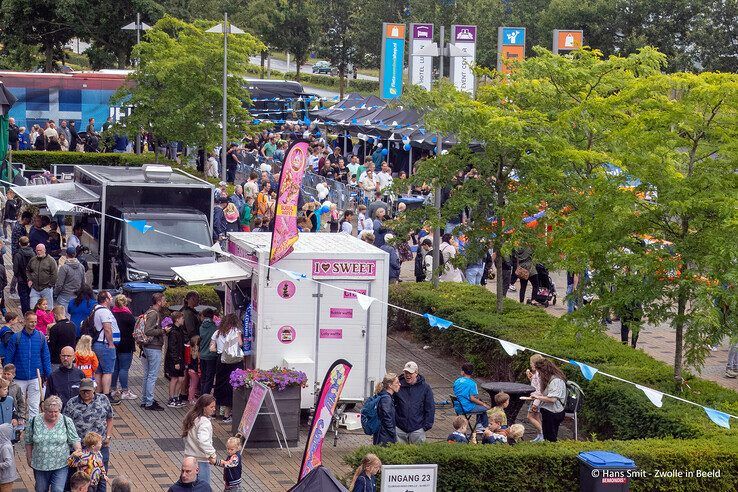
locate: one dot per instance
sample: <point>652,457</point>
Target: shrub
<point>34,159</point>
<point>208,296</point>
<point>612,409</point>
<point>554,467</point>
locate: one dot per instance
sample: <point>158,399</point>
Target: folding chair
<point>468,416</point>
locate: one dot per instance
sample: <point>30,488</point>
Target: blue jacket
<point>80,312</point>
<point>28,353</point>
<point>394,260</point>
<point>219,222</point>
<point>386,411</point>
<point>414,405</point>
<point>6,409</point>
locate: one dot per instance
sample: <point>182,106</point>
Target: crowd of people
<point>65,136</point>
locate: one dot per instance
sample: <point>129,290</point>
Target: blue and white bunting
<point>293,275</point>
<point>511,348</point>
<point>140,225</point>
<point>437,322</point>
<point>720,418</point>
<point>656,397</point>
<point>587,371</point>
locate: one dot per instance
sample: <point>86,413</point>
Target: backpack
<point>370,415</point>
<point>420,265</point>
<point>5,334</point>
<point>88,325</point>
<point>139,329</point>
<point>574,397</point>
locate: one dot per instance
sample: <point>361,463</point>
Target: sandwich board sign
<point>414,478</point>
<point>567,40</point>
<point>260,394</point>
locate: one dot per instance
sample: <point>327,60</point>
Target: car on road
<point>324,67</point>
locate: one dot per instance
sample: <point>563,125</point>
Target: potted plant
<point>286,385</point>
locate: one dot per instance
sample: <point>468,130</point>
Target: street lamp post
<point>137,26</point>
<point>226,29</point>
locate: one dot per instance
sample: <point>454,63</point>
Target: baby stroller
<point>545,295</point>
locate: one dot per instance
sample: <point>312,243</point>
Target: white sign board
<point>421,67</point>
<point>464,39</point>
<point>409,478</point>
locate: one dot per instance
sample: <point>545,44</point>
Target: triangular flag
<point>511,348</point>
<point>653,395</point>
<point>215,248</point>
<point>55,205</point>
<point>140,225</point>
<point>364,301</point>
<point>587,371</point>
<point>720,418</point>
<point>436,321</point>
<point>293,275</point>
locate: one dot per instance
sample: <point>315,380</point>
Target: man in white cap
<point>415,408</point>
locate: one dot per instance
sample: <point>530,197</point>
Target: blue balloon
<point>385,152</point>
<point>324,209</point>
<point>370,140</point>
<point>317,134</point>
<point>406,147</point>
<point>434,139</point>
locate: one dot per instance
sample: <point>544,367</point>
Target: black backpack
<point>574,397</point>
<point>88,325</point>
<point>420,264</point>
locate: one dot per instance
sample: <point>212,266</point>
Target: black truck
<point>177,206</point>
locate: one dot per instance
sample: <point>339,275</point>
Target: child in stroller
<point>545,295</point>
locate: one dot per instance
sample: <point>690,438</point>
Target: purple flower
<point>278,378</point>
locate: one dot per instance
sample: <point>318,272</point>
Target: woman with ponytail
<point>365,477</point>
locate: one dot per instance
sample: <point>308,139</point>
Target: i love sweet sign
<point>344,269</point>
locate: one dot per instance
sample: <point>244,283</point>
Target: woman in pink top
<point>44,315</point>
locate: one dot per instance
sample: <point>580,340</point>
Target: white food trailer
<point>307,325</point>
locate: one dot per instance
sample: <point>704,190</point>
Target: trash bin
<point>140,295</point>
<point>604,471</point>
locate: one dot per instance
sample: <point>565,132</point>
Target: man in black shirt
<point>13,132</point>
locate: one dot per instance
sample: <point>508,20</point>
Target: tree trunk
<point>341,82</point>
<point>679,342</point>
<point>298,62</point>
<point>48,57</point>
<point>500,283</point>
<point>264,55</point>
<point>122,58</point>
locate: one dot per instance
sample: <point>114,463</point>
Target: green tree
<point>515,145</point>
<point>41,24</point>
<point>176,91</point>
<point>680,142</point>
<point>298,30</point>
<point>101,21</point>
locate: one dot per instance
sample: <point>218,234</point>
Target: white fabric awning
<point>212,273</point>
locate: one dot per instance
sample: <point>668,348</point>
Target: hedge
<point>208,296</point>
<point>35,159</point>
<point>554,467</point>
<point>322,81</point>
<point>611,409</point>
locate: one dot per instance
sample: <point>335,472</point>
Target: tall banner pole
<point>392,61</point>
<point>330,393</point>
<point>284,230</point>
<point>510,47</point>
<point>463,53</point>
<point>422,51</point>
<point>567,40</point>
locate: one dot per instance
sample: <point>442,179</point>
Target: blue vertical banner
<point>393,60</point>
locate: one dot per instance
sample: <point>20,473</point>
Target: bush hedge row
<point>323,81</point>
<point>611,409</point>
<point>208,296</point>
<point>554,467</point>
<point>35,159</point>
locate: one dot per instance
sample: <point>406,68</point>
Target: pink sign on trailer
<point>344,268</point>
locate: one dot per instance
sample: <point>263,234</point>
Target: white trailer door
<point>343,333</point>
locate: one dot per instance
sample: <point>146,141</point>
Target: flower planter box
<point>263,433</point>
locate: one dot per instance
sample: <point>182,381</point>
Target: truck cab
<point>134,256</point>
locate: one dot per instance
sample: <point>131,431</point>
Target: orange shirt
<point>86,363</point>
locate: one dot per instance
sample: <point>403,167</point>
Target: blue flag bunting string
<point>437,322</point>
<point>587,371</point>
<point>140,225</point>
<point>721,419</point>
